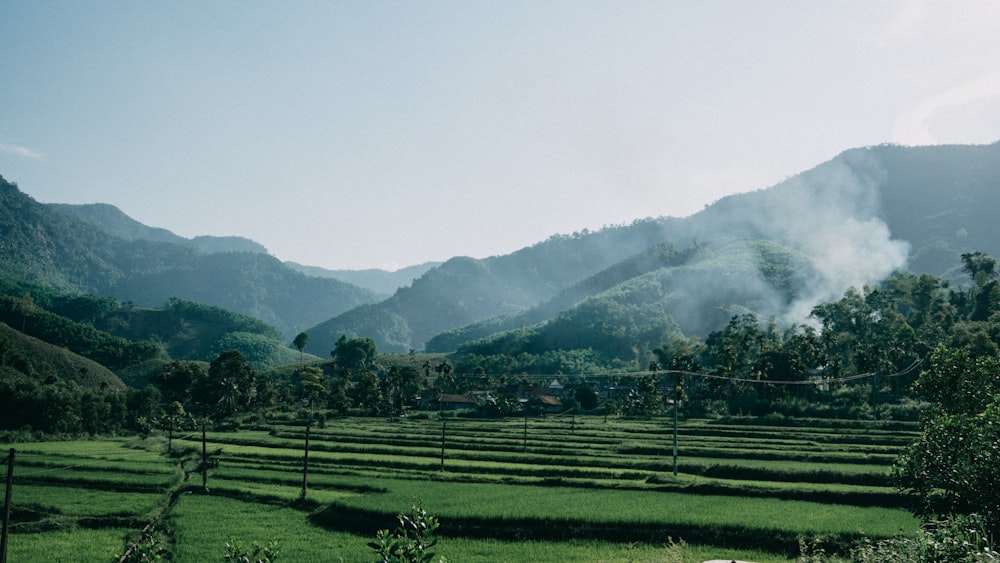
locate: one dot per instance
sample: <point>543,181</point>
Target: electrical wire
<point>819,380</point>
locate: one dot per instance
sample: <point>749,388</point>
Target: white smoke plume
<point>831,215</point>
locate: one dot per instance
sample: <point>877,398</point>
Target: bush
<point>411,541</point>
<point>959,539</point>
<point>256,553</point>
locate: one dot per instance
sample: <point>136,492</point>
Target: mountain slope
<point>42,362</point>
<point>464,290</point>
<point>850,221</point>
<point>114,222</point>
<point>381,282</point>
<point>55,249</point>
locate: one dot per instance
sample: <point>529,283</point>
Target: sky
<point>381,134</point>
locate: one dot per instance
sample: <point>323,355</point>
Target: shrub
<point>959,539</point>
<point>411,541</point>
<point>256,553</point>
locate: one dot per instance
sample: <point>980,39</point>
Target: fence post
<point>676,400</point>
<point>443,426</point>
<point>305,463</point>
<point>525,430</point>
<point>204,459</point>
<point>6,507</point>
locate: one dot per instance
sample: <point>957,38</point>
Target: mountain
<point>776,252</point>
<point>115,222</point>
<point>99,250</point>
<point>382,282</point>
<point>42,361</point>
<point>464,290</point>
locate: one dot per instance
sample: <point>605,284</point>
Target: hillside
<point>464,290</point>
<point>135,341</point>
<point>110,254</point>
<point>850,221</point>
<point>41,361</point>
<point>382,282</point>
<point>114,222</point>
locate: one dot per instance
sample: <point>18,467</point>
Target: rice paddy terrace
<point>559,488</point>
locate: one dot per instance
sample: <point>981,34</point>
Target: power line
<point>815,380</point>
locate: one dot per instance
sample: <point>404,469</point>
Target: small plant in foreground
<point>257,553</point>
<point>148,547</point>
<point>411,541</point>
<point>958,539</point>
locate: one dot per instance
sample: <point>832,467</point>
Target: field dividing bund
<point>740,486</point>
<point>77,500</point>
<point>586,485</point>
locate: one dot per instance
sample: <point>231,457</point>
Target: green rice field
<point>545,489</point>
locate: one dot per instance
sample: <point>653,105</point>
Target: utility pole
<point>305,463</point>
<point>526,430</point>
<point>204,459</point>
<point>675,424</point>
<point>443,426</point>
<point>6,507</point>
<point>875,401</point>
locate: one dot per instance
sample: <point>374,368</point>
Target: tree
<point>312,383</point>
<point>445,378</point>
<point>952,468</point>
<point>368,392</point>
<point>177,378</point>
<point>986,291</point>
<point>354,354</point>
<point>586,397</point>
<point>228,388</point>
<point>300,342</point>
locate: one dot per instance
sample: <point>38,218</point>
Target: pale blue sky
<point>382,134</point>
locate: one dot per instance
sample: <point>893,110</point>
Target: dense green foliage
<point>56,350</point>
<point>816,234</point>
<point>82,338</point>
<point>952,468</point>
<point>82,253</point>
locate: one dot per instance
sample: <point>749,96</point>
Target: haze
<point>382,134</point>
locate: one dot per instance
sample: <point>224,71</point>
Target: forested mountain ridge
<point>380,281</point>
<point>57,249</point>
<point>115,222</point>
<point>465,290</point>
<point>852,221</point>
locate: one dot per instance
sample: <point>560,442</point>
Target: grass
<point>203,523</point>
<point>82,502</point>
<point>581,489</point>
<point>70,545</point>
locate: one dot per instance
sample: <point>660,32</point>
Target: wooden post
<point>305,464</point>
<point>525,431</point>
<point>676,398</point>
<point>6,507</point>
<point>204,459</point>
<point>443,425</point>
<point>875,401</point>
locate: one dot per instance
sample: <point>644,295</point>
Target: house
<point>451,402</point>
<point>545,403</point>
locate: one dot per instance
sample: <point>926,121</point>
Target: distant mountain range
<point>97,249</point>
<point>382,282</point>
<point>775,252</point>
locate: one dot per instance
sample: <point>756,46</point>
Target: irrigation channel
<point>562,488</point>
